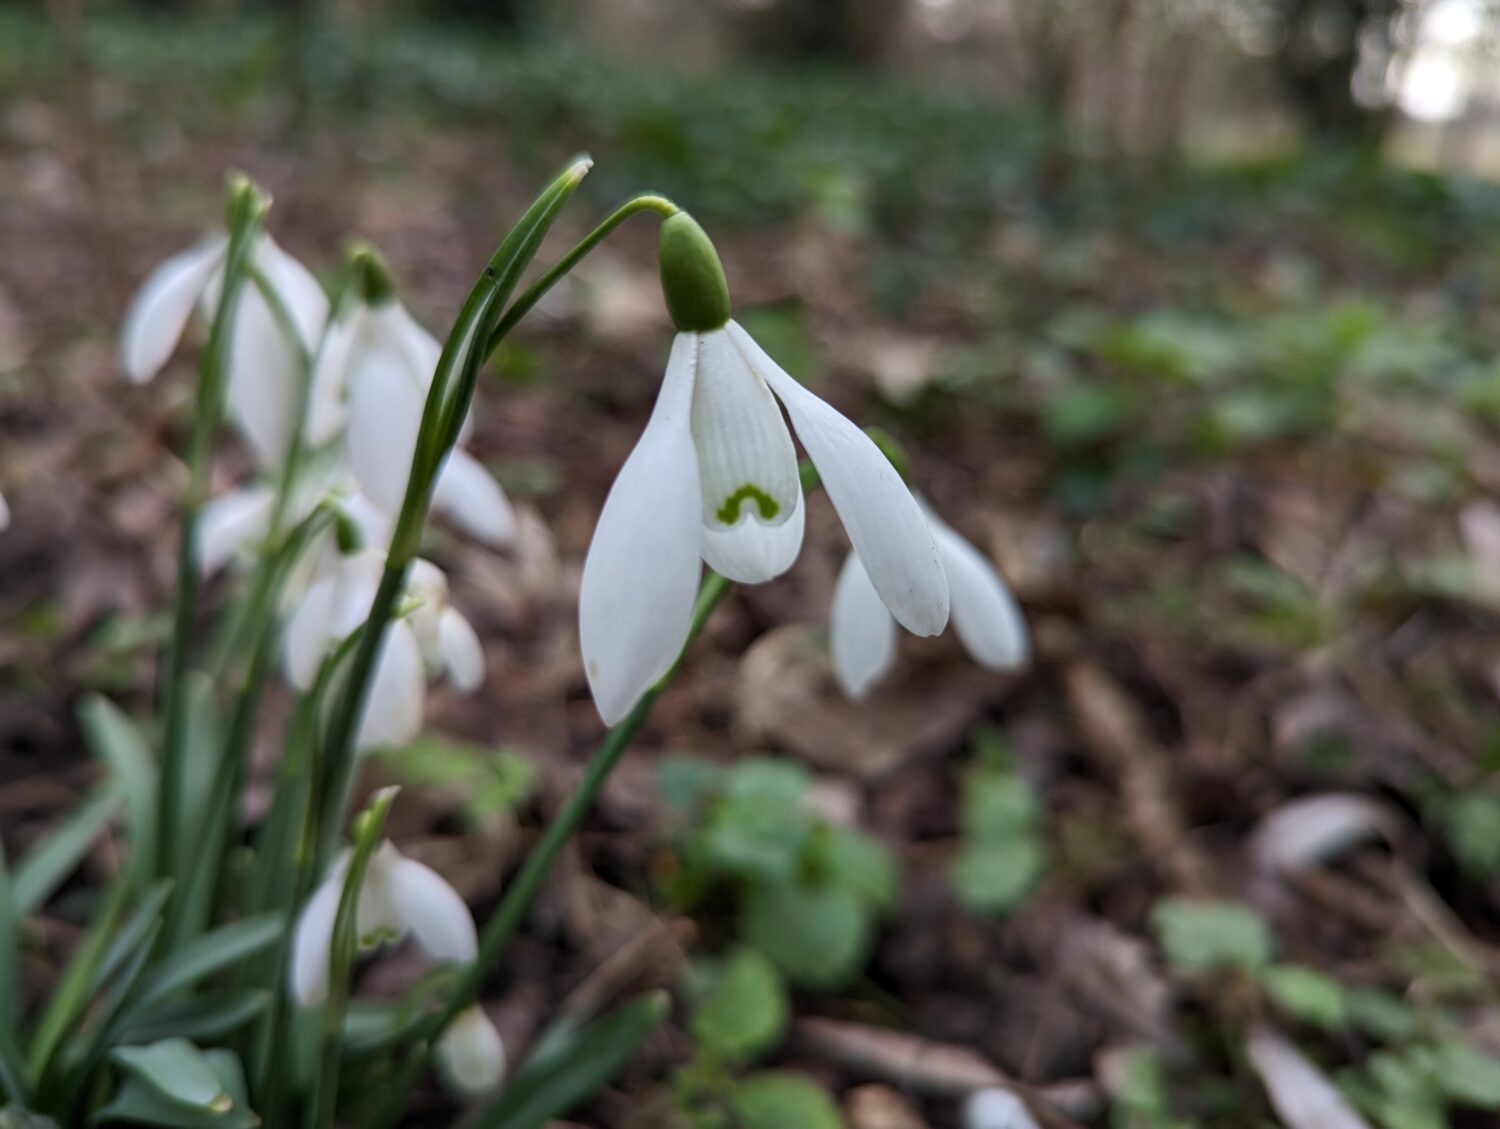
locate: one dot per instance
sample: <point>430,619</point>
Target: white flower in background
<point>433,634</point>
<point>997,1109</point>
<point>714,478</point>
<point>400,897</point>
<point>470,1055</point>
<point>4,514</point>
<point>1301,1094</point>
<point>264,381</point>
<point>862,634</point>
<point>372,378</point>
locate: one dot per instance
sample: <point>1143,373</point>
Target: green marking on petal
<point>729,512</point>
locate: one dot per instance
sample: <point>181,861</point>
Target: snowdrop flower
<point>4,514</point>
<point>400,897</point>
<point>862,634</point>
<point>433,634</point>
<point>264,379</point>
<point>714,478</point>
<point>372,377</point>
<point>997,1109</point>
<point>470,1054</point>
<point>1301,1094</point>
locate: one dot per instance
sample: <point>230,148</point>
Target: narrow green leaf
<point>210,1016</point>
<point>41,872</point>
<point>10,948</point>
<point>71,994</point>
<point>573,1069</point>
<point>115,740</point>
<point>210,953</point>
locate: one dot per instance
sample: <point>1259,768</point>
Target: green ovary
<point>729,512</point>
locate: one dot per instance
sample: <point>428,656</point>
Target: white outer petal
<point>159,311</point>
<point>439,920</point>
<point>640,577</point>
<point>985,615</point>
<point>461,651</point>
<point>469,494</point>
<point>751,552</point>
<point>325,405</point>
<point>313,939</point>
<point>883,520</point>
<point>380,918</point>
<point>1300,1093</point>
<point>861,632</point>
<point>393,714</point>
<point>309,632</point>
<point>394,328</point>
<point>232,522</point>
<point>997,1109</point>
<point>305,299</point>
<point>264,382</point>
<point>385,416</point>
<point>471,1055</point>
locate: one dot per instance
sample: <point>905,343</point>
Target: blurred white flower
<point>714,478</point>
<point>4,514</point>
<point>470,1055</point>
<point>1301,1094</point>
<point>862,634</point>
<point>372,378</point>
<point>400,897</point>
<point>432,634</point>
<point>264,378</point>
<point>997,1109</point>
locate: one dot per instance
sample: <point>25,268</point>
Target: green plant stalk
<point>368,829</point>
<point>247,209</point>
<point>645,202</point>
<point>442,416</point>
<point>506,919</point>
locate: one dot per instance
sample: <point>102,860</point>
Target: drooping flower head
<point>862,634</point>
<point>714,478</point>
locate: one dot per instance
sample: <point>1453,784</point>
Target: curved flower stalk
<point>402,898</point>
<point>432,635</point>
<point>862,633</point>
<point>714,478</point>
<point>264,372</point>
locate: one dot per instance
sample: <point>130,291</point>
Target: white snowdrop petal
<point>303,295</point>
<point>746,461</point>
<point>439,920</point>
<point>393,713</point>
<point>997,1109</point>
<point>467,493</point>
<point>231,523</point>
<point>385,416</point>
<point>751,552</point>
<point>4,514</point>
<point>861,632</point>
<point>354,594</point>
<point>159,311</point>
<point>326,412</point>
<point>380,916</point>
<point>1312,830</point>
<point>395,329</point>
<point>1301,1094</point>
<point>264,384</point>
<point>985,615</point>
<point>309,632</point>
<point>461,650</point>
<point>883,520</point>
<point>312,940</point>
<point>640,578</point>
<point>470,1054</point>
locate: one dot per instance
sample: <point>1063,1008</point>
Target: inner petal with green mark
<point>746,461</point>
<point>729,512</point>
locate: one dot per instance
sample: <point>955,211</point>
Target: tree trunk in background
<point>1320,53</point>
<point>857,32</point>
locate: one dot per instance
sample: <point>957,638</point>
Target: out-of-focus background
<point>1185,311</point>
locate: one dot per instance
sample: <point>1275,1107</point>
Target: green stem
<point>246,210</point>
<point>645,202</point>
<point>506,919</point>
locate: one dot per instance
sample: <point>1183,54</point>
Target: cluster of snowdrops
<point>358,419</point>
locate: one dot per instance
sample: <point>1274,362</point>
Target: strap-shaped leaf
<point>209,1016</point>
<point>572,1067</point>
<point>177,1071</point>
<point>116,740</point>
<point>43,870</point>
<point>220,949</point>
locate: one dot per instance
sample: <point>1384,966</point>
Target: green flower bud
<point>372,278</point>
<point>244,200</point>
<point>692,278</point>
<point>347,534</point>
